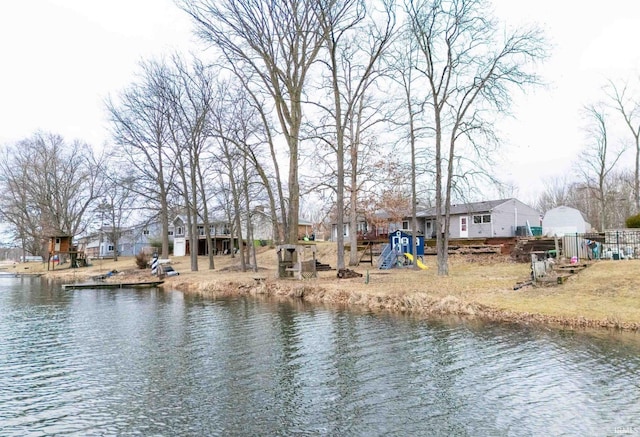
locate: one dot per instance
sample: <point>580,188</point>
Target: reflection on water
<point>147,362</point>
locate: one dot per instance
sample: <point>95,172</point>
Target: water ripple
<point>129,362</point>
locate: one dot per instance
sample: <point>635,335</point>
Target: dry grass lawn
<point>606,294</point>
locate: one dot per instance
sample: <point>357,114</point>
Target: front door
<point>464,227</point>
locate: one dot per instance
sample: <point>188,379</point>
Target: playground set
<point>399,251</point>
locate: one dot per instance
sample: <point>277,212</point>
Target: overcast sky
<point>61,58</point>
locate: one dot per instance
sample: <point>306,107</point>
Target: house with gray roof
<point>487,219</point>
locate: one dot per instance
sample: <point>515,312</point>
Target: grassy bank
<point>607,294</point>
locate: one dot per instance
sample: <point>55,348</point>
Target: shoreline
<point>419,304</point>
<point>606,295</point>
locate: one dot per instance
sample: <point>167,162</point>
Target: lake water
<point>147,362</point>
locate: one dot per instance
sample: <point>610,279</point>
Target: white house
<point>564,220</point>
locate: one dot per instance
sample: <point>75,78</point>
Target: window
<point>170,233</point>
<point>485,218</point>
<point>179,231</point>
<point>145,232</point>
<point>405,225</point>
<point>110,248</point>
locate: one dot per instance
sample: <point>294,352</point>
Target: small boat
<point>150,284</point>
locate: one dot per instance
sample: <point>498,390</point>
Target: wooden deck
<point>150,284</point>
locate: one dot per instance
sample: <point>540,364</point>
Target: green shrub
<point>633,221</point>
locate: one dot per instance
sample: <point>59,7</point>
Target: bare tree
<point>139,126</point>
<point>18,209</point>
<point>117,205</point>
<point>356,37</point>
<point>469,71</point>
<point>557,192</point>
<point>229,136</point>
<point>239,127</point>
<point>49,186</point>
<point>404,58</point>
<point>230,158</point>
<point>574,192</point>
<point>599,159</point>
<point>189,94</point>
<point>621,198</point>
<point>277,43</point>
<point>629,108</point>
<point>243,134</point>
<point>275,194</point>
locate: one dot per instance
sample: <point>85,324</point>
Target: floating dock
<point>150,284</point>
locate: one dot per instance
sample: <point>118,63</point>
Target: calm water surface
<point>126,362</point>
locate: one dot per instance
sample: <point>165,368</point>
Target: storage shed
<point>564,220</point>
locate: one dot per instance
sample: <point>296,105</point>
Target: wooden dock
<point>4,274</point>
<point>150,284</point>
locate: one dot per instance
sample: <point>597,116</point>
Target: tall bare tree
<point>268,169</point>
<point>233,132</point>
<point>139,125</point>
<point>189,94</point>
<point>629,107</point>
<point>277,44</point>
<point>469,69</point>
<point>598,160</point>
<point>404,59</point>
<point>356,36</point>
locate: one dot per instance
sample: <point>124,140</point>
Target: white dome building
<point>564,220</point>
